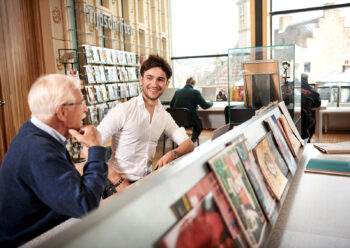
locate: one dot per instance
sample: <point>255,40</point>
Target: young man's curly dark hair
<point>156,61</point>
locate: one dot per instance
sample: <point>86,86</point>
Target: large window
<point>321,34</point>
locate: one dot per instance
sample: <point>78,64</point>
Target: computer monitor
<point>209,93</point>
<point>167,95</point>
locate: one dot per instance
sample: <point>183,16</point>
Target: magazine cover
<point>99,94</point>
<point>203,226</point>
<point>116,89</point>
<point>123,90</point>
<point>108,55</point>
<point>268,161</point>
<point>292,141</point>
<point>97,74</point>
<point>195,195</point>
<point>90,74</point>
<point>115,58</point>
<point>111,92</point>
<point>89,53</point>
<point>104,93</point>
<point>235,183</point>
<point>93,115</point>
<point>90,94</point>
<point>96,55</point>
<point>285,112</point>
<point>260,186</point>
<point>103,55</point>
<point>272,125</point>
<point>124,73</point>
<point>103,75</point>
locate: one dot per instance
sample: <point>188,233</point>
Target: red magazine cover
<point>203,226</point>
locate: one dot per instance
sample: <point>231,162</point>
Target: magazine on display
<point>235,183</point>
<point>195,195</point>
<point>109,56</point>
<point>286,114</point>
<point>90,90</point>
<point>97,74</point>
<point>261,187</point>
<point>116,89</point>
<point>270,162</point>
<point>328,166</point>
<point>111,92</point>
<point>99,94</point>
<point>103,55</point>
<point>104,93</point>
<point>90,74</point>
<point>334,148</point>
<point>103,75</point>
<point>292,141</point>
<point>93,115</point>
<point>89,54</point>
<point>115,58</point>
<point>203,226</point>
<point>96,55</point>
<point>272,125</point>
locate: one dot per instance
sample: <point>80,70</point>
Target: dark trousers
<point>196,129</point>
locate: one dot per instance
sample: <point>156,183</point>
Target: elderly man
<point>39,184</point>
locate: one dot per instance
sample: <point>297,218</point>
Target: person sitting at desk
<point>190,98</point>
<point>39,184</point>
<point>136,125</point>
<point>310,98</point>
<point>221,95</point>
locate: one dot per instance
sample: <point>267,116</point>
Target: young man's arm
<point>185,147</point>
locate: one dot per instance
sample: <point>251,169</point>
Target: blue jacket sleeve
<point>201,101</point>
<point>55,180</point>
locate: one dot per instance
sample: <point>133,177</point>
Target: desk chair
<point>182,117</point>
<point>238,115</point>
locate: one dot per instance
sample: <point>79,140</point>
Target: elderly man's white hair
<point>50,91</point>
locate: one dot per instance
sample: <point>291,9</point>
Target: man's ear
<point>61,113</point>
<point>141,80</point>
<point>167,84</point>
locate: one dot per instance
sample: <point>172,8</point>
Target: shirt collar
<point>51,131</point>
<point>141,102</point>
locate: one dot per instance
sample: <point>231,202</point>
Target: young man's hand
<point>166,159</point>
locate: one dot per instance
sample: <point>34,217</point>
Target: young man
<point>39,184</point>
<point>190,98</point>
<point>136,125</point>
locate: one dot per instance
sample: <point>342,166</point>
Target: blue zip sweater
<point>40,186</point>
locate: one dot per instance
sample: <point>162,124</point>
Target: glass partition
<point>271,66</point>
<point>210,73</point>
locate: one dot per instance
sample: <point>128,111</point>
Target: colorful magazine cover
<point>195,195</point>
<point>97,74</point>
<point>90,94</point>
<point>116,89</point>
<point>89,53</point>
<point>104,93</point>
<point>203,226</point>
<point>103,55</point>
<point>272,125</point>
<point>99,94</point>
<point>268,161</point>
<point>90,74</point>
<point>292,141</point>
<point>111,92</point>
<point>261,188</point>
<point>96,55</point>
<point>235,183</point>
<point>93,115</point>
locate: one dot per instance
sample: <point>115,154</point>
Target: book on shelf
<point>272,124</point>
<point>203,226</point>
<point>328,166</point>
<point>238,190</point>
<point>334,148</point>
<point>195,195</point>
<point>270,163</point>
<point>286,114</point>
<point>292,141</point>
<point>257,180</point>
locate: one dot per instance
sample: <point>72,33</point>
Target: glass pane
<point>209,72</point>
<point>322,48</point>
<point>278,5</point>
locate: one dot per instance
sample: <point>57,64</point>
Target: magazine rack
<point>140,215</point>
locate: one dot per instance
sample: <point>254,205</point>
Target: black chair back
<point>182,116</point>
<point>238,115</point>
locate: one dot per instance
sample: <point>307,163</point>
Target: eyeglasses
<point>82,103</point>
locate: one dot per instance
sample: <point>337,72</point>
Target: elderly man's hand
<point>88,136</point>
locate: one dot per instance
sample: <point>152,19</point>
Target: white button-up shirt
<point>135,137</point>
